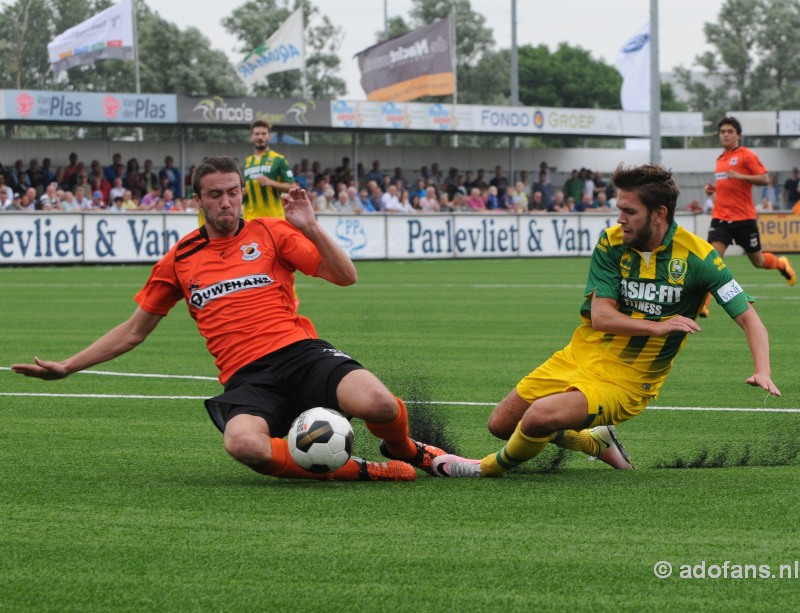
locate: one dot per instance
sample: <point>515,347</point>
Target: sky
<point>599,27</point>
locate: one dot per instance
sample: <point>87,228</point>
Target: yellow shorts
<point>609,403</point>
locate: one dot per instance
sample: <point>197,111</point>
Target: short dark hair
<point>260,123</point>
<point>653,185</point>
<point>221,164</point>
<point>730,121</point>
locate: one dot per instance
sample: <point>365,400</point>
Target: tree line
<point>752,66</point>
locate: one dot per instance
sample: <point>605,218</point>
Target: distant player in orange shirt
<point>236,278</point>
<point>733,219</point>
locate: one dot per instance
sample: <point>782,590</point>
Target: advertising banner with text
<point>33,105</point>
<point>218,110</point>
<point>531,120</point>
<point>415,64</point>
<point>30,238</point>
<point>780,232</point>
<point>73,238</point>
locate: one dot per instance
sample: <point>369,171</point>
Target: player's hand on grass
<point>764,382</point>
<point>42,369</point>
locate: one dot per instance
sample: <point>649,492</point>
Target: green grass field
<point>116,493</point>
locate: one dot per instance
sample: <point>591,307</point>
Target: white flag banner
<point>284,50</point>
<point>108,35</point>
<point>633,63</point>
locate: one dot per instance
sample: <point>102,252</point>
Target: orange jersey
<point>734,199</point>
<point>238,289</point>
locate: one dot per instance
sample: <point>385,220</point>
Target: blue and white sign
<point>43,238</point>
<point>360,236</point>
<point>36,105</point>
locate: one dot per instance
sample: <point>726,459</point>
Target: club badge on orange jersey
<point>250,252</point>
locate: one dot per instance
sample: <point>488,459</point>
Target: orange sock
<point>395,433</point>
<point>348,472</point>
<point>770,261</point>
<point>283,464</point>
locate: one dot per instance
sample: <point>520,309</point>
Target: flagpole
<point>655,87</point>
<point>135,48</point>
<point>455,67</point>
<point>303,74</point>
<point>387,139</point>
<point>139,131</point>
<point>514,76</point>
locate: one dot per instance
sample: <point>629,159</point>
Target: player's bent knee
<point>376,404</point>
<point>382,406</point>
<point>250,448</point>
<point>534,423</point>
<point>501,426</point>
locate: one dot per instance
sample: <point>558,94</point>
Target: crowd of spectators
<point>360,190</point>
<point>115,188</point>
<point>119,187</point>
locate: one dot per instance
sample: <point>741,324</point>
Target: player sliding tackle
<point>237,277</point>
<point>648,279</point>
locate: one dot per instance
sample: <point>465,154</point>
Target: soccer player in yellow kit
<point>647,280</point>
<point>266,174</point>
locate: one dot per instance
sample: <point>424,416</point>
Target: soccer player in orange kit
<point>236,278</point>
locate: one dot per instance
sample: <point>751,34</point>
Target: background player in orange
<point>236,278</point>
<point>733,219</point>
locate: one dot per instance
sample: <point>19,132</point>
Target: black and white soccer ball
<point>321,440</point>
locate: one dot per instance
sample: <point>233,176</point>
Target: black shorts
<point>743,233</point>
<point>283,384</point>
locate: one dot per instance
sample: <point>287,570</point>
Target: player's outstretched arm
<point>336,266</point>
<point>113,343</point>
<point>758,341</point>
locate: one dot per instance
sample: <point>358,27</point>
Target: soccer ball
<point>321,440</point>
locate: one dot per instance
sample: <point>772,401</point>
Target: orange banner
<point>779,232</point>
<point>443,84</point>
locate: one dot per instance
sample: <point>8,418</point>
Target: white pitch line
<point>728,409</point>
<point>435,402</point>
<point>110,373</point>
<point>145,375</point>
<point>114,396</point>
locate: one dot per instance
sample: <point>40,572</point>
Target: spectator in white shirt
<point>390,203</point>
<point>117,190</point>
<point>6,194</point>
<point>82,203</point>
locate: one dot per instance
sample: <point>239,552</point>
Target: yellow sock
<point>517,450</point>
<point>577,441</point>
